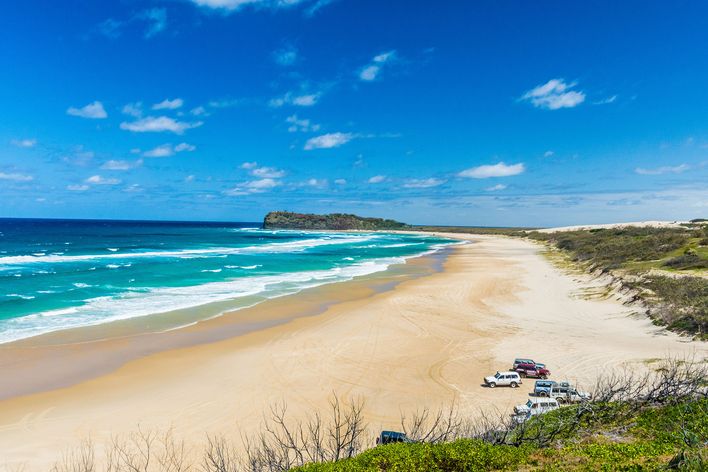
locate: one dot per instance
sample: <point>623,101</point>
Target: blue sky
<point>513,113</point>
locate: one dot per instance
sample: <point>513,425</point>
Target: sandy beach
<point>399,344</point>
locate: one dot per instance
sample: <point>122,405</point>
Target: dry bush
<point>140,451</point>
<point>341,432</point>
<point>284,444</point>
<point>442,425</point>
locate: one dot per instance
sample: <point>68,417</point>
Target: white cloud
<point>133,188</point>
<point>227,5</point>
<point>377,179</point>
<point>286,56</point>
<point>606,101</point>
<point>199,111</point>
<point>110,28</point>
<point>189,178</point>
<point>24,143</point>
<point>224,103</point>
<point>548,153</point>
<point>327,141</point>
<point>156,19</point>
<point>230,6</point>
<point>151,124</point>
<point>495,188</point>
<point>496,170</point>
<point>98,180</point>
<point>663,170</point>
<point>167,104</point>
<point>134,109</point>
<point>16,177</point>
<point>167,150</point>
<point>121,165</point>
<point>254,186</point>
<point>423,183</point>
<point>553,95</point>
<point>181,147</point>
<point>319,183</point>
<point>261,184</point>
<point>340,182</point>
<point>163,150</point>
<point>77,188</point>
<point>372,70</point>
<point>263,171</point>
<point>304,100</point>
<point>268,172</point>
<point>93,110</point>
<point>301,124</point>
<point>369,73</point>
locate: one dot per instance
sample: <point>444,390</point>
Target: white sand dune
<point>639,224</point>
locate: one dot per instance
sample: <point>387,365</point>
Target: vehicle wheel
<point>560,400</point>
<point>544,377</point>
<point>492,385</point>
<point>513,385</point>
<point>543,394</point>
<point>523,374</point>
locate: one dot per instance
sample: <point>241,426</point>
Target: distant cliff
<point>333,221</point>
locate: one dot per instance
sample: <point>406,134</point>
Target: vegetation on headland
<point>652,421</point>
<point>332,221</point>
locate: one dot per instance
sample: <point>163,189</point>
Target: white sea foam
<point>138,303</point>
<point>18,295</point>
<point>400,245</point>
<point>291,246</point>
<point>216,271</point>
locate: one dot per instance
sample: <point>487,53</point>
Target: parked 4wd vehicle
<point>521,360</point>
<point>542,388</point>
<point>533,370</point>
<point>512,379</point>
<point>388,437</point>
<point>534,406</point>
<point>566,393</point>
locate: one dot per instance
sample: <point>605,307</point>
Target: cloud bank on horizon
<point>452,114</point>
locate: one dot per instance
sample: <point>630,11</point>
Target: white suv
<point>567,394</point>
<point>535,406</point>
<point>511,379</point>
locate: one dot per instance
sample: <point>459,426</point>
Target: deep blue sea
<point>59,274</point>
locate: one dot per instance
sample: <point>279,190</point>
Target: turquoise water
<point>59,274</point>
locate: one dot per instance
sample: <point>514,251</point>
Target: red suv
<point>532,370</point>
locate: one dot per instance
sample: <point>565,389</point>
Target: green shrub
<point>463,454</point>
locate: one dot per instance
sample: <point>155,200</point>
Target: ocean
<point>60,274</point>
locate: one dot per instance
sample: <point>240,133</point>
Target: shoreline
<point>69,355</point>
<point>426,342</point>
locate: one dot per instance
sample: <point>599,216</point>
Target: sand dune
<point>636,224</point>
